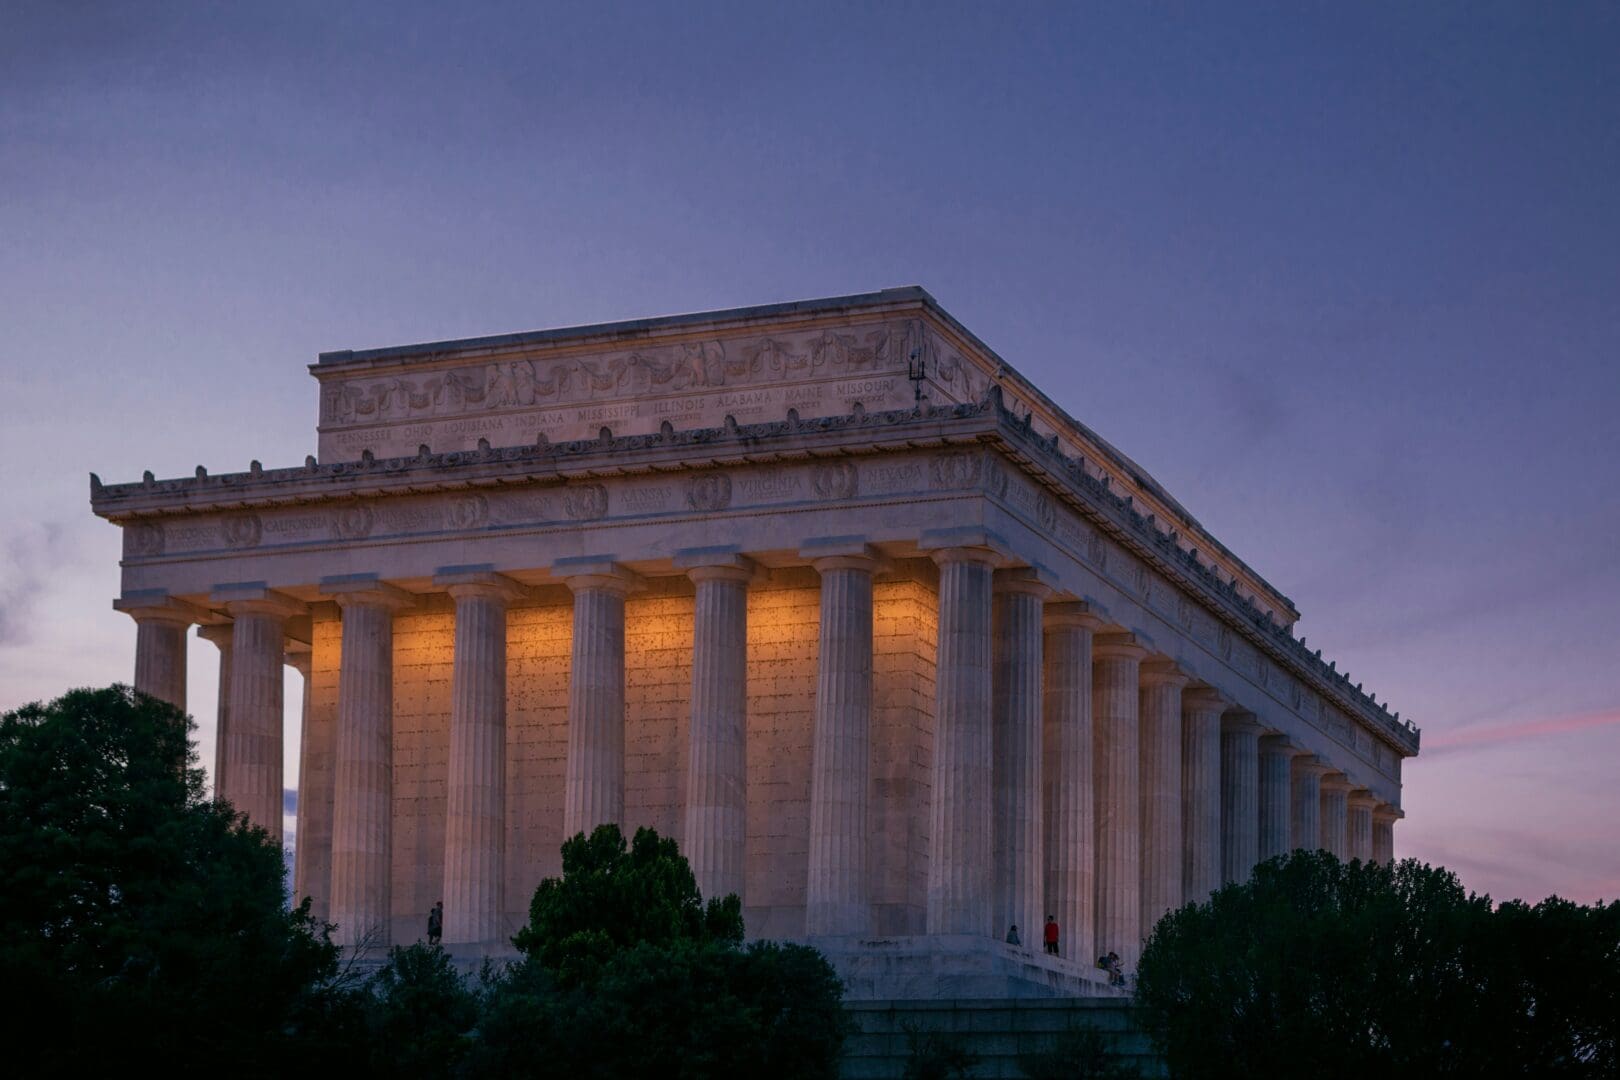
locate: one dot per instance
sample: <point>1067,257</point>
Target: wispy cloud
<point>1518,731</point>
<point>28,560</point>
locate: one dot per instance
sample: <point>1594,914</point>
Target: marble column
<point>161,622</point>
<point>1383,832</point>
<point>1066,778</point>
<point>594,785</point>
<point>475,787</point>
<point>959,868</point>
<point>1359,825</point>
<point>1116,759</point>
<point>1335,816</point>
<point>362,805</point>
<point>1159,713</point>
<point>1276,796</point>
<point>1240,796</point>
<point>1016,736</point>
<point>220,635</point>
<point>317,764</point>
<point>838,900</point>
<point>254,740</point>
<point>715,829</point>
<point>1201,709</point>
<point>1307,775</point>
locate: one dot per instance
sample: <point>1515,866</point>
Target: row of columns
<point>1074,774</point>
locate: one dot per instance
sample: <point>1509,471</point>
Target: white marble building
<point>901,652</point>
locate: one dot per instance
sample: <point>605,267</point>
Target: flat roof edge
<point>634,327</point>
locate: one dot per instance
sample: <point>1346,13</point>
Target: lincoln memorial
<point>901,652</point>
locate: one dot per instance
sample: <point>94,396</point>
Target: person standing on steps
<point>1050,935</point>
<point>436,923</point>
<point>1012,935</point>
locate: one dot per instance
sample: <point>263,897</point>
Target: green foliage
<point>627,973</point>
<point>1080,1053</point>
<point>139,920</point>
<point>1321,968</point>
<point>934,1055</point>
<point>419,1011</point>
<point>610,899</point>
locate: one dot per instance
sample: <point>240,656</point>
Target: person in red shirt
<point>1050,935</point>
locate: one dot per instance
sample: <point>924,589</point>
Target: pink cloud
<point>1522,729</point>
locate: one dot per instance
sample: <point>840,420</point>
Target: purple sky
<point>1347,282</point>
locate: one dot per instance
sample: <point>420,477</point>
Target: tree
<point>139,920</point>
<point>419,1012</point>
<point>1317,967</point>
<point>628,973</point>
<point>610,899</point>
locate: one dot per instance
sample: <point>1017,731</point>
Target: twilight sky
<point>1346,281</point>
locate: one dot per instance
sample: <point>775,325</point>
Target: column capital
<point>1071,615</point>
<point>716,564</point>
<point>217,632</point>
<point>840,553</point>
<point>1035,580</point>
<point>156,605</point>
<point>1363,798</point>
<point>300,661</point>
<point>1204,699</point>
<point>1386,812</point>
<point>1336,781</point>
<point>1311,764</point>
<point>255,598</point>
<point>1280,744</point>
<point>1240,722</point>
<point>478,581</point>
<point>1118,647</point>
<point>596,572</point>
<point>1162,672</point>
<point>963,543</point>
<point>366,590</point>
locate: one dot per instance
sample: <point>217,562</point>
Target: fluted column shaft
<point>1358,828</point>
<point>220,635</point>
<point>1307,826</point>
<point>475,819</point>
<point>1383,837</point>
<point>1115,705</point>
<point>1066,765</point>
<point>362,810</point>
<point>1200,793</point>
<point>1159,713</point>
<point>254,740</point>
<point>1240,799</point>
<point>1016,736</point>
<point>160,658</point>
<point>594,786</point>
<point>837,898</point>
<point>1335,816</point>
<point>716,825</point>
<point>1276,796</point>
<point>959,869</point>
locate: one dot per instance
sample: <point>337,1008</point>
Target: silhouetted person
<point>436,923</point>
<point>1050,935</point>
<point>1012,935</point>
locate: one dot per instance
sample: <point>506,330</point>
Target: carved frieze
<point>586,502</point>
<point>242,530</point>
<point>709,491</point>
<point>468,512</point>
<point>836,480</point>
<point>144,538</point>
<point>353,522</point>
